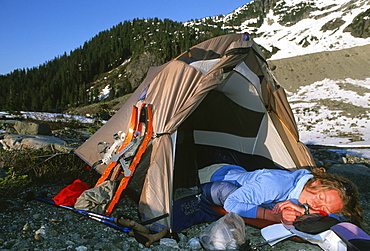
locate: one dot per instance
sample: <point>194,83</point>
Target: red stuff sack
<point>69,194</point>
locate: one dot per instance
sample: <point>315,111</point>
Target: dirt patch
<point>113,105</point>
<point>307,69</point>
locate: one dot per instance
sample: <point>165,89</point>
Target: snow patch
<point>321,125</point>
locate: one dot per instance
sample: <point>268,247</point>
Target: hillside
<point>329,93</point>
<point>292,73</point>
<point>304,70</point>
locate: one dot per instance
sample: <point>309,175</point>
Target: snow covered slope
<point>334,112</point>
<point>323,25</point>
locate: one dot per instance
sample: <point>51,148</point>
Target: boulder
<point>7,126</point>
<point>23,142</point>
<point>32,128</point>
<point>357,173</point>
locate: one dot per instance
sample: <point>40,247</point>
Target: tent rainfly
<point>218,102</point>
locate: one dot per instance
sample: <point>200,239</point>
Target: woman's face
<point>327,201</point>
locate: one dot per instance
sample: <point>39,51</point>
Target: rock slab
<point>31,128</point>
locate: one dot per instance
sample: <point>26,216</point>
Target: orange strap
<point>129,136</point>
<point>124,182</point>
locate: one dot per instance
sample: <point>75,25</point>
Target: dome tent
<point>216,103</point>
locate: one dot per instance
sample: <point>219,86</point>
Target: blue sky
<point>33,32</point>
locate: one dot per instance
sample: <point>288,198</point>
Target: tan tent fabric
<point>157,201</point>
<point>210,49</point>
<point>226,67</point>
<point>119,122</point>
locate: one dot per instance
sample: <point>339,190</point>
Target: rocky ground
<point>33,225</point>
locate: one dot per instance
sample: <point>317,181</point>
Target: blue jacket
<point>264,187</point>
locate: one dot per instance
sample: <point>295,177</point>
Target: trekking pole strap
<point>155,219</point>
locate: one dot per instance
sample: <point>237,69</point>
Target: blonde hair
<point>347,191</point>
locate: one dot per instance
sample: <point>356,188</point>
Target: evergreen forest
<point>66,81</point>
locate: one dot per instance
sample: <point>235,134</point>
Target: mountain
<point>289,28</point>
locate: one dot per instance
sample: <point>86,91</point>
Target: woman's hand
<point>288,216</point>
<point>279,207</point>
<point>288,210</point>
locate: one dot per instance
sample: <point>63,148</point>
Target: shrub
<point>37,167</point>
<point>13,180</point>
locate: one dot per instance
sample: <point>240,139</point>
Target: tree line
<point>64,81</point>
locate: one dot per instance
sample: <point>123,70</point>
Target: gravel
<point>33,225</point>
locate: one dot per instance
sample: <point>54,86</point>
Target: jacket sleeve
<point>246,199</point>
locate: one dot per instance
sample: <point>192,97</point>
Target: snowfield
<point>289,39</point>
<point>320,124</point>
<point>47,116</point>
